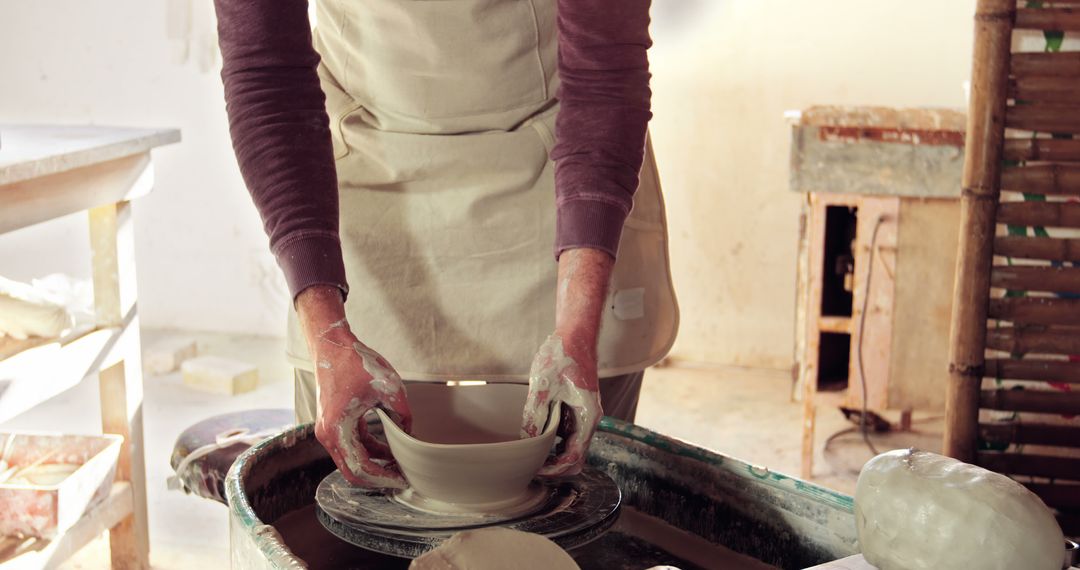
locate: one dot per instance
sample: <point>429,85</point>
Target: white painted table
<point>51,171</point>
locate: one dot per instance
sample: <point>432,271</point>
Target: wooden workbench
<point>47,172</point>
<point>876,258</point>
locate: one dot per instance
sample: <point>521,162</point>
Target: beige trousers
<point>618,395</point>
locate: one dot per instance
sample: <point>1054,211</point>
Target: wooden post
<point>113,258</point>
<point>981,187</point>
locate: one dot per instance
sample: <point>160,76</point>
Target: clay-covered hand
<point>565,372</point>
<point>353,379</point>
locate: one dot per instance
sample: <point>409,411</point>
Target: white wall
<point>725,71</point>
<point>201,252</point>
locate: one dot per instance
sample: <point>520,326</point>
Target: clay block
<point>220,375</point>
<point>166,356</point>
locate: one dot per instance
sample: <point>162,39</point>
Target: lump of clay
<point>916,510</point>
<point>495,548</point>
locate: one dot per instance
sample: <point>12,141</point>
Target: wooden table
<point>52,171</point>
<point>876,258</point>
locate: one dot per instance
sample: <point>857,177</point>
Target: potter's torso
<point>443,116</point>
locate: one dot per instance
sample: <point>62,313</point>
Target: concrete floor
<point>741,412</point>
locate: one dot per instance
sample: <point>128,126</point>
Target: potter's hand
<point>564,369</point>
<point>353,379</point>
<point>565,372</point>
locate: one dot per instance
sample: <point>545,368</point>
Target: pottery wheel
<point>571,512</point>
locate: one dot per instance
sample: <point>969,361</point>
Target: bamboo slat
<point>1027,340</point>
<point>981,185</point>
<point>1038,401</point>
<point>1046,89</point>
<point>1032,278</point>
<point>1046,249</point>
<point>1036,370</point>
<point>1057,495</point>
<point>1036,434</point>
<point>1044,118</point>
<point>1054,178</point>
<point>1047,214</point>
<point>1061,64</point>
<point>1058,19</point>
<point>1057,150</point>
<point>1026,464</point>
<point>1049,18</point>
<point>1036,310</point>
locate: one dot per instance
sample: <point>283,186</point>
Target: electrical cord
<point>862,325</point>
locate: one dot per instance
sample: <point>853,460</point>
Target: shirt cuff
<point>312,259</point>
<point>584,222</point>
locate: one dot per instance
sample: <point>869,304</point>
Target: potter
<point>451,205</point>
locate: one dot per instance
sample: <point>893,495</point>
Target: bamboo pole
<point>1037,434</point>
<point>1044,118</point>
<point>1060,64</point>
<point>1046,89</point>
<point>1028,369</point>
<point>1054,178</point>
<point>1048,214</point>
<point>1036,310</point>
<point>978,204</point>
<point>1058,19</point>
<point>1036,278</point>
<point>1036,401</point>
<point>1060,150</point>
<point>1026,464</point>
<point>1057,495</point>
<point>1047,249</point>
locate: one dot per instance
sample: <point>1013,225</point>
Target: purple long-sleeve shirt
<point>281,133</point>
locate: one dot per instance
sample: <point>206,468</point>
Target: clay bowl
<point>465,452</point>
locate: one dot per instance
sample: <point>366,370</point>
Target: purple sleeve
<point>600,129</point>
<point>281,134</point>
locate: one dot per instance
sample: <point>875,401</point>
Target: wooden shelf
<point>835,325</point>
<point>48,367</point>
<point>51,171</point>
<point>41,553</point>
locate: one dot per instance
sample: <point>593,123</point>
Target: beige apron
<point>443,117</point>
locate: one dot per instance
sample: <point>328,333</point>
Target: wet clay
<point>495,549</point>
<point>465,453</point>
<point>534,497</point>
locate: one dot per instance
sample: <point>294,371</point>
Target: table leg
<point>113,256</point>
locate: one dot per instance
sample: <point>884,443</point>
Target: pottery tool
<point>571,512</point>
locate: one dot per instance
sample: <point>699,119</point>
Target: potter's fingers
<point>577,430</point>
<point>565,465</point>
<point>398,409</point>
<point>365,472</point>
<point>374,447</point>
<point>355,461</point>
<point>343,466</point>
<point>535,415</point>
